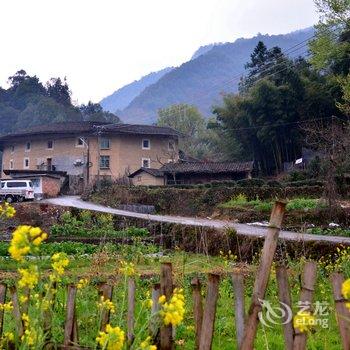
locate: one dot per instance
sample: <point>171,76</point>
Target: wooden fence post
<point>342,312</point>
<point>166,288</point>
<point>197,308</point>
<point>238,287</point>
<point>285,298</point>
<point>70,327</point>
<point>153,324</point>
<point>105,291</point>
<point>306,294</point>
<point>209,312</point>
<point>16,311</point>
<point>3,288</point>
<point>263,274</point>
<point>131,310</point>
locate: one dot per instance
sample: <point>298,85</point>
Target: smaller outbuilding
<point>192,173</point>
<point>45,183</point>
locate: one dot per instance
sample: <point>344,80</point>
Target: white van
<point>16,190</point>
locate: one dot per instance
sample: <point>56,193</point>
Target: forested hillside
<point>121,98</point>
<point>28,102</point>
<point>201,81</point>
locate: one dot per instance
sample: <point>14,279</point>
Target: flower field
<point>44,280</point>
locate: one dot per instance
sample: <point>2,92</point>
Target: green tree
<point>189,121</point>
<point>94,112</point>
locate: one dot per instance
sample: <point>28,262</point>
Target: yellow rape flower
<point>146,344</point>
<point>24,241</point>
<point>112,339</point>
<point>83,283</point>
<point>303,321</point>
<point>106,304</point>
<point>9,336</point>
<point>345,289</point>
<point>9,210</point>
<point>29,277</point>
<point>127,269</point>
<point>6,307</point>
<point>59,263</point>
<point>172,312</point>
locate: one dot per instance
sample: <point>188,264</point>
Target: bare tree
<point>332,142</point>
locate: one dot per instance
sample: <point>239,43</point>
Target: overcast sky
<point>100,45</point>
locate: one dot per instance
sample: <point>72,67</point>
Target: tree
<point>59,91</point>
<point>187,120</point>
<point>331,47</point>
<point>94,112</point>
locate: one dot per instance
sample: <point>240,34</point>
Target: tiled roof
<point>208,167</point>
<point>151,171</point>
<point>86,127</point>
<point>198,167</point>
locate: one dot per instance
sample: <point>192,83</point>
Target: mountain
<point>202,80</point>
<point>203,50</point>
<point>123,96</point>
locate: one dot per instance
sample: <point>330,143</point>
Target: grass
<point>241,202</point>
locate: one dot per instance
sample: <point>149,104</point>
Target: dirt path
<point>242,229</point>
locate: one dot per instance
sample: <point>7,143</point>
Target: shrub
<point>250,182</point>
<point>303,204</point>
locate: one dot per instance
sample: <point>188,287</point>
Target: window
<point>139,178</point>
<point>79,142</point>
<point>27,147</point>
<point>146,144</point>
<point>171,146</point>
<point>26,163</point>
<point>104,162</point>
<point>104,143</point>
<point>12,148</point>
<point>11,164</point>
<point>50,144</point>
<point>146,163</point>
<point>12,184</point>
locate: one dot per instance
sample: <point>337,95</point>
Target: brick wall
<point>51,187</point>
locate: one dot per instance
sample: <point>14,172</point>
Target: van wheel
<point>20,199</point>
<point>9,199</point>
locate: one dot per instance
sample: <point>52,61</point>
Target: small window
<point>171,146</point>
<point>12,148</point>
<point>50,144</point>
<point>11,164</point>
<point>104,143</point>
<point>28,145</point>
<point>16,184</point>
<point>146,144</point>
<point>2,184</point>
<point>26,163</point>
<point>146,163</point>
<point>104,162</point>
<point>79,142</point>
<point>139,178</point>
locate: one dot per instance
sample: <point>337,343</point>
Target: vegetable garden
<point>76,295</point>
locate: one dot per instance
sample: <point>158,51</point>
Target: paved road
<point>242,229</point>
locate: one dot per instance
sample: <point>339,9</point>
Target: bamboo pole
<point>105,291</point>
<point>342,312</point>
<point>70,327</point>
<point>3,288</point>
<point>131,310</point>
<point>166,288</point>
<point>238,287</point>
<point>153,323</point>
<point>285,298</point>
<point>306,294</point>
<point>263,274</point>
<point>197,308</point>
<point>16,311</point>
<point>209,312</point>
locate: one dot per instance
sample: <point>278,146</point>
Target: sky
<point>101,45</point>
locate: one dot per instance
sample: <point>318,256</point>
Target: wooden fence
<point>204,310</point>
